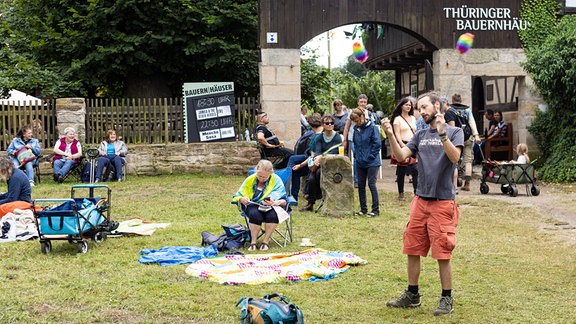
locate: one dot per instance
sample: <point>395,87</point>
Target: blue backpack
<point>270,311</point>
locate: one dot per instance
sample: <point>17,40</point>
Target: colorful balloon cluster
<point>360,54</point>
<point>465,42</point>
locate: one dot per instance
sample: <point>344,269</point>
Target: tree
<point>551,62</point>
<point>128,47</point>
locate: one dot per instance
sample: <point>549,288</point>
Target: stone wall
<point>228,158</point>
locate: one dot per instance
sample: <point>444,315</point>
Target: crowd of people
<point>428,142</point>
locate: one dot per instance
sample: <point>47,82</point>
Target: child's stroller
<point>74,219</point>
<point>509,175</point>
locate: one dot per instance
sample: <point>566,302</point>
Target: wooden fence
<point>39,115</point>
<point>138,121</point>
<point>152,121</point>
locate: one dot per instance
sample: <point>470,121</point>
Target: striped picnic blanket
<point>312,264</point>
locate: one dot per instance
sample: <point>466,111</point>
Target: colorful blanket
<point>253,269</point>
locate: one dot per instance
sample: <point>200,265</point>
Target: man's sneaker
<point>445,306</point>
<point>360,213</point>
<point>372,214</point>
<point>407,300</point>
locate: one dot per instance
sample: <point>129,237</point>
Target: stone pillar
<point>280,92</point>
<point>337,186</point>
<point>71,112</point>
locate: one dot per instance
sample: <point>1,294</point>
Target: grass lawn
<point>505,269</point>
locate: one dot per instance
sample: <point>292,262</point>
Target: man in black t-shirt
<point>270,143</point>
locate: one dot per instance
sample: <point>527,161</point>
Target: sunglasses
<point>329,123</point>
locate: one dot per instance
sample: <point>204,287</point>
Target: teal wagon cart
<point>75,219</point>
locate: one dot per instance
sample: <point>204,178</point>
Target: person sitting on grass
<point>19,190</point>
<point>258,194</point>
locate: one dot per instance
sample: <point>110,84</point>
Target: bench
<point>506,144</point>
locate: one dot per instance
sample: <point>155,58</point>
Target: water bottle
<point>247,135</point>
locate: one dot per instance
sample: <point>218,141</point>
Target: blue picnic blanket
<point>171,255</point>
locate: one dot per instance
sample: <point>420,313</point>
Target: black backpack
<point>462,121</point>
<point>234,237</point>
<point>303,143</point>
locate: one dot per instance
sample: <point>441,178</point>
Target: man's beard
<point>430,120</point>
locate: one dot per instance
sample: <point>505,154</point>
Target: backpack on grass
<point>234,237</point>
<point>268,311</point>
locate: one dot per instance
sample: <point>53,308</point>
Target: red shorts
<point>432,224</point>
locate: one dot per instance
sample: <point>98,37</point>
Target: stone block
<point>337,186</point>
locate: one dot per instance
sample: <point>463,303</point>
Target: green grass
<point>505,269</point>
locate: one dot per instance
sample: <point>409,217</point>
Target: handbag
<point>406,162</point>
<point>25,155</point>
<point>268,311</point>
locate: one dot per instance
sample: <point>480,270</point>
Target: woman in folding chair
<point>261,194</point>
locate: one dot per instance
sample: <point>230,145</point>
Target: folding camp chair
<point>283,231</point>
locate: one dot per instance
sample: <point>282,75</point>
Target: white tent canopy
<point>19,97</point>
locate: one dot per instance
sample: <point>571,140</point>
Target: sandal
<point>252,247</point>
<point>264,247</point>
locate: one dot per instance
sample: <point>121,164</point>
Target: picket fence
<point>137,120</point>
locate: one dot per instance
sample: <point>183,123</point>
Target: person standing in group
<point>367,145</point>
<point>304,126</point>
<point>270,143</point>
<point>340,116</point>
<point>348,134</point>
<point>404,126</point>
<point>433,212</point>
<point>111,150</point>
<point>458,108</point>
<point>24,141</point>
<point>67,153</point>
<point>302,151</point>
<point>326,143</point>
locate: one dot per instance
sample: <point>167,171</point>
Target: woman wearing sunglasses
<point>327,143</point>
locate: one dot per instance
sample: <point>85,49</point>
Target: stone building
<point>417,40</point>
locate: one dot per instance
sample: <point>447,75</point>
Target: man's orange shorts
<point>432,224</point>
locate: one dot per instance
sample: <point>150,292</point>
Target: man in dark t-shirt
<point>270,143</point>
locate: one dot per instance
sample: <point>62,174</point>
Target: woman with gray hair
<point>258,196</point>
<point>67,153</point>
<point>19,190</point>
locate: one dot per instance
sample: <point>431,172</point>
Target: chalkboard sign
<point>209,112</point>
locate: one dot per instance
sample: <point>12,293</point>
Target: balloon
<point>465,42</point>
<point>360,54</point>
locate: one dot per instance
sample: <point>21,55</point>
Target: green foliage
<point>71,48</point>
<point>319,86</point>
<point>542,15</point>
<point>552,66</point>
<point>315,83</point>
<point>377,85</point>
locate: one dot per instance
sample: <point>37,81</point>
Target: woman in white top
<point>404,125</point>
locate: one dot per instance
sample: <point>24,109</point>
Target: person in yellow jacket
<point>259,194</point>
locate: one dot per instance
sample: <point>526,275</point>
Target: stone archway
<point>417,31</point>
